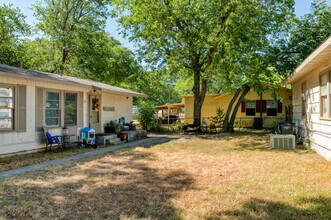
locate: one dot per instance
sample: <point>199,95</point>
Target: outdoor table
<point>65,139</point>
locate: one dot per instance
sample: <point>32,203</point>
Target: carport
<point>170,109</point>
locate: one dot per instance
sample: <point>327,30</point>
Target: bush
<point>219,118</point>
<point>146,114</point>
<point>157,127</point>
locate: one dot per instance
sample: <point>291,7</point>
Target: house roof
<point>51,77</point>
<point>319,56</point>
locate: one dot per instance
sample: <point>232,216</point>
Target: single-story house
<point>31,100</point>
<point>311,82</point>
<point>253,106</point>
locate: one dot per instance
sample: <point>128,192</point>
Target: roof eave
<point>315,58</point>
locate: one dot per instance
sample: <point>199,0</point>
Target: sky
<point>302,7</point>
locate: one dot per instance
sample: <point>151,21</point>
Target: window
<point>6,108</point>
<point>325,95</point>
<point>52,111</point>
<point>303,98</point>
<point>271,108</point>
<point>70,109</point>
<point>250,108</point>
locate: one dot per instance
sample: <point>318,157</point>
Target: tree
<point>293,43</point>
<point>64,22</point>
<point>101,57</point>
<point>40,54</point>
<point>159,85</point>
<point>12,31</point>
<point>196,34</point>
<point>309,32</point>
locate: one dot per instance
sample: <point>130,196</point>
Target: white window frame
<point>303,99</point>
<point>11,108</point>
<point>325,95</point>
<point>273,102</point>
<point>248,103</point>
<point>53,109</point>
<point>76,110</point>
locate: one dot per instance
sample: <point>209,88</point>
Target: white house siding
<point>32,138</point>
<point>315,129</point>
<point>20,141</point>
<point>122,105</point>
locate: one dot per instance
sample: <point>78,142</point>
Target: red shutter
<point>243,106</point>
<point>264,106</point>
<point>280,107</point>
<point>257,106</point>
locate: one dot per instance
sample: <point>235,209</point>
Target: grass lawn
<point>193,177</point>
<point>17,161</point>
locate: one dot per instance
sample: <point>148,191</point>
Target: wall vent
<point>282,141</point>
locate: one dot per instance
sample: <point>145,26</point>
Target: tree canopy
<point>200,35</point>
<point>13,30</point>
<point>187,47</point>
<point>65,22</point>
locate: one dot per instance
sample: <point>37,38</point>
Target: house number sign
<point>108,109</point>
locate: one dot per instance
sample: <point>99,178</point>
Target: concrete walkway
<point>144,142</point>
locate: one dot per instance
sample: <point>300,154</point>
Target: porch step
<point>112,139</point>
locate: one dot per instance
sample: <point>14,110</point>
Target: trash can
<point>258,123</point>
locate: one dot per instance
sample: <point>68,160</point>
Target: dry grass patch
<point>204,177</point>
<point>22,160</point>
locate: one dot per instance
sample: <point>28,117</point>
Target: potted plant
<point>110,127</point>
<point>123,134</point>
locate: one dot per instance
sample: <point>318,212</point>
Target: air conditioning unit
<point>282,141</point>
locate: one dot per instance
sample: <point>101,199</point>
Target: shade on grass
<point>203,177</point>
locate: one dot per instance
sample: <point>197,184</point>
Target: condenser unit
<point>282,141</point>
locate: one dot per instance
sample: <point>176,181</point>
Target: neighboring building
<point>272,111</point>
<point>311,83</point>
<point>32,100</point>
<point>170,113</point>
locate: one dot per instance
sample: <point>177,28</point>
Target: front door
<point>95,109</point>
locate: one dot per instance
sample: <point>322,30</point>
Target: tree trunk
<point>228,111</point>
<point>235,110</point>
<point>64,59</point>
<point>199,96</point>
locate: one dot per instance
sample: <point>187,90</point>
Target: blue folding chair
<point>52,140</point>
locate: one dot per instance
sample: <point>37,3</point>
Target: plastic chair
<point>52,140</point>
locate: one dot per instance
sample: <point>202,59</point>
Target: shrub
<point>219,118</point>
<point>146,114</point>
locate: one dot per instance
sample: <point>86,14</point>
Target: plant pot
<point>109,130</point>
<point>124,136</point>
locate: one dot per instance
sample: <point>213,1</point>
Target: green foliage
<point>309,32</point>
<point>110,123</point>
<point>102,58</point>
<point>159,85</point>
<point>176,127</point>
<point>40,54</point>
<point>64,22</point>
<point>218,119</point>
<point>156,127</point>
<point>146,114</point>
<point>13,29</point>
<point>199,38</point>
